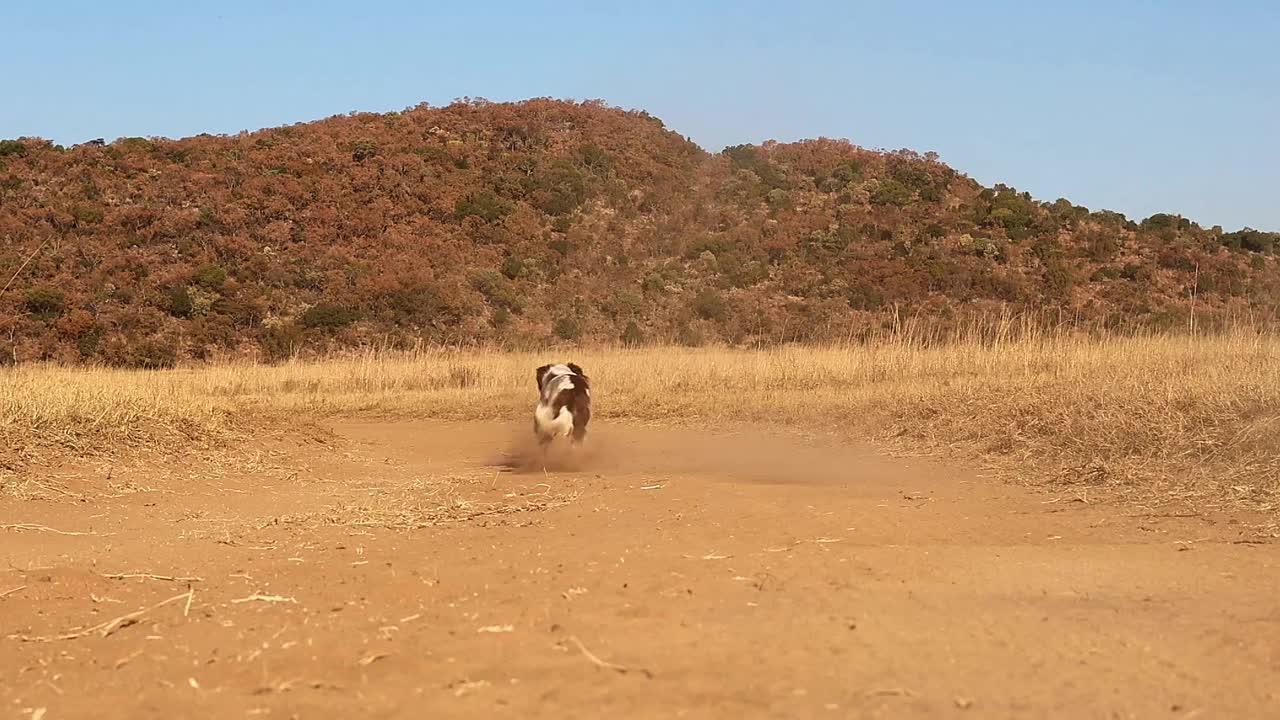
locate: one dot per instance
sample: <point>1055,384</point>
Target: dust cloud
<point>754,455</point>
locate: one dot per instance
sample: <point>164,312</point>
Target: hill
<point>516,223</point>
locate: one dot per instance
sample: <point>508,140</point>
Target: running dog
<point>564,404</point>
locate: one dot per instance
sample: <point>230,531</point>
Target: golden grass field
<point>1176,418</point>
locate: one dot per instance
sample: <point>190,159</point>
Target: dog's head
<point>549,372</point>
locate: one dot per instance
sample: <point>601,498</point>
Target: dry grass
<point>1193,418</point>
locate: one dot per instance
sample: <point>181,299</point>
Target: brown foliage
<point>524,222</point>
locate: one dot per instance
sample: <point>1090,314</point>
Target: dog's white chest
<point>553,424</point>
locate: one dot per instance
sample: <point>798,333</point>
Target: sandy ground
<point>387,570</point>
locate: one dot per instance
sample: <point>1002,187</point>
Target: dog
<point>564,404</point>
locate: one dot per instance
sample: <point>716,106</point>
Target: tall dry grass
<point>1168,416</point>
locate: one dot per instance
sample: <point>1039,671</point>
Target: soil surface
<point>388,570</point>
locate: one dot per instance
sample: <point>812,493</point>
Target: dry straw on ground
<point>1174,416</point>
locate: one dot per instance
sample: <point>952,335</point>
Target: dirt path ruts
<point>718,576</point>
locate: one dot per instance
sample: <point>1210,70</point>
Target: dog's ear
<point>576,370</point>
<point>541,373</point>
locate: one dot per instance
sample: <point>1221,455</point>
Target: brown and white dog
<point>564,404</point>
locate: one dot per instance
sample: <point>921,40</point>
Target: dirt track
<point>735,576</point>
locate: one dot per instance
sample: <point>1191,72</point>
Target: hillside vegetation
<point>547,220</point>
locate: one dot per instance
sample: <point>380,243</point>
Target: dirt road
<point>388,571</point>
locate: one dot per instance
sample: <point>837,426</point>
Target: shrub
<point>1106,272</point>
<point>46,302</point>
<point>178,302</point>
<point>1101,246</point>
<point>748,157</point>
<point>709,305</point>
<point>778,199</point>
<point>512,266</point>
<point>280,342</point>
<point>363,149</point>
<point>559,190</point>
<point>87,344</point>
<point>567,328</point>
<point>840,176</point>
<point>202,300</point>
<point>689,336</point>
<point>209,276</point>
<point>865,295</point>
<point>1135,272</point>
<point>632,335</point>
<point>498,291</point>
<point>500,317</point>
<point>136,144</point>
<point>327,315</point>
<point>416,303</point>
<point>1175,259</point>
<point>1058,276</point>
<point>87,214</point>
<point>594,159</point>
<point>12,147</point>
<point>847,171</point>
<point>911,176</point>
<point>1011,210</point>
<point>1252,240</point>
<point>213,332</point>
<point>152,353</point>
<point>989,249</point>
<point>935,231</point>
<point>891,192</point>
<point>433,153</point>
<point>483,204</point>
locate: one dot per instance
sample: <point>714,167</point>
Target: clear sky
<point>1137,106</point>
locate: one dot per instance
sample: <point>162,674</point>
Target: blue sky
<point>1141,107</point>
